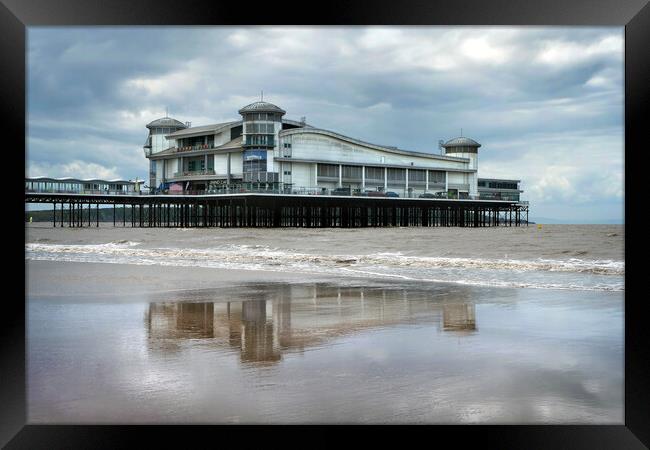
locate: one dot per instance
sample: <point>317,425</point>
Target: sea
<point>398,325</point>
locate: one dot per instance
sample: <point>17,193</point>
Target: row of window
<point>498,184</point>
<point>499,196</point>
<point>165,130</point>
<point>377,173</point>
<point>271,117</point>
<point>256,128</point>
<point>260,139</point>
<point>73,187</point>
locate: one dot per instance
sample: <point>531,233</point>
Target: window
<point>417,175</point>
<point>287,172</point>
<point>436,177</point>
<point>374,173</point>
<point>260,139</point>
<point>328,170</point>
<point>259,128</point>
<point>396,174</point>
<point>502,185</point>
<point>352,172</point>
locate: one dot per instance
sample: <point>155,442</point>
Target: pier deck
<point>279,210</point>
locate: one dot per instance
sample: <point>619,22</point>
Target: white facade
<point>265,151</point>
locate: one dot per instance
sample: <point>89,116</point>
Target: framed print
<point>412,215</point>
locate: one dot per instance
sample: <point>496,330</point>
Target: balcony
<point>194,173</point>
<point>191,148</point>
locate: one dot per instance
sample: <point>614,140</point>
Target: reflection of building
<point>458,317</point>
<point>181,320</point>
<point>257,337</point>
<point>265,321</point>
<point>264,150</point>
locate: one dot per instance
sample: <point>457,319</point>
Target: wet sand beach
<point>149,326</point>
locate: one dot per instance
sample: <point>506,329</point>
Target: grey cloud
<point>92,90</point>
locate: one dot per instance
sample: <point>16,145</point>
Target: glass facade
<point>328,170</point>
<point>396,175</point>
<point>260,139</point>
<point>270,117</point>
<point>417,176</point>
<point>254,161</point>
<point>374,173</point>
<point>259,129</point>
<point>351,172</point>
<point>436,177</point>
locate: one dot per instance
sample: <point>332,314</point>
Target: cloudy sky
<point>545,103</point>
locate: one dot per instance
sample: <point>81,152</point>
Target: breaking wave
<point>540,273</point>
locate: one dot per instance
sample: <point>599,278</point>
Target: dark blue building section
<point>254,160</point>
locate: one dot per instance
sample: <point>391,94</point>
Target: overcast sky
<point>545,103</point>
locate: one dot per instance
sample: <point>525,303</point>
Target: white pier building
<point>265,151</point>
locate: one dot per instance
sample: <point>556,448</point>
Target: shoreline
<point>594,242</point>
<point>558,258</point>
<point>72,282</point>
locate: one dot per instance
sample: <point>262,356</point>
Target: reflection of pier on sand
<point>262,322</point>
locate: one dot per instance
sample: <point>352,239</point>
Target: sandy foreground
<point>127,282</point>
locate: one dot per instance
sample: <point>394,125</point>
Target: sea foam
<point>571,273</point>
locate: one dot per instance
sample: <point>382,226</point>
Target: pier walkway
<point>279,210</point>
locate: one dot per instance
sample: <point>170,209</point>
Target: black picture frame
<point>634,15</point>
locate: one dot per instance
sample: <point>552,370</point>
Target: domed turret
<point>464,147</point>
<point>258,107</point>
<point>461,145</point>
<point>167,122</point>
<point>158,129</point>
<point>262,122</point>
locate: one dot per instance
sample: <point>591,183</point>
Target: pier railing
<point>279,191</point>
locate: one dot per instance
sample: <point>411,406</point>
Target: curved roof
<point>341,137</point>
<point>261,107</point>
<point>203,129</point>
<point>166,122</point>
<point>461,142</point>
